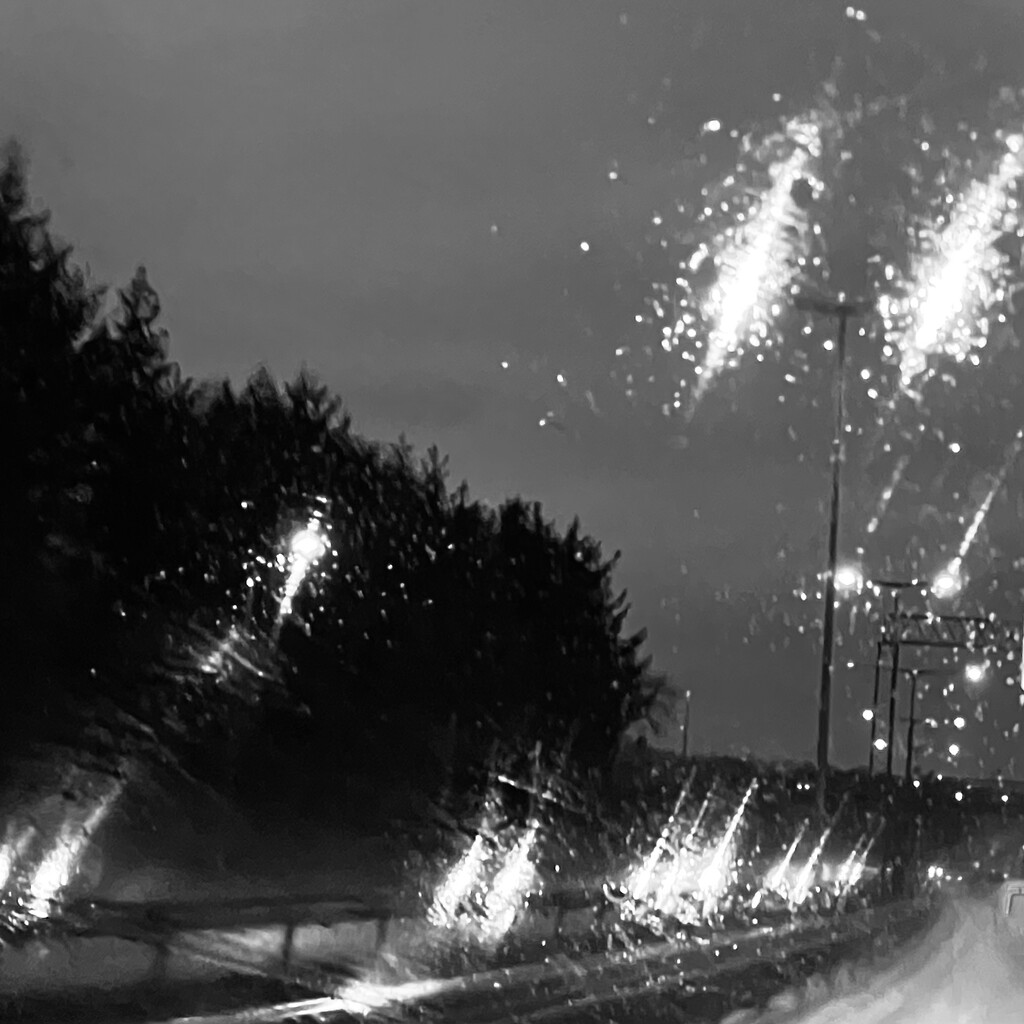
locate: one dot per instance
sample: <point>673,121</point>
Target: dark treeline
<point>145,521</point>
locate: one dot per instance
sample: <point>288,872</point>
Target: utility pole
<point>893,686</point>
<point>895,587</point>
<point>686,726</point>
<point>874,708</point>
<point>925,630</point>
<point>911,722</point>
<point>840,311</point>
<point>915,676</point>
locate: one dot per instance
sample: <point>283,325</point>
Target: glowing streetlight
<point>305,548</point>
<point>975,673</point>
<point>947,582</point>
<point>867,714</point>
<point>849,578</point>
<point>959,722</point>
<point>308,544</point>
<point>880,744</point>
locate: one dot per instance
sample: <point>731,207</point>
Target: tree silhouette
<point>45,306</point>
<point>153,514</point>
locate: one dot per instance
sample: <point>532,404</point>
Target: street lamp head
<point>975,672</point>
<point>849,577</point>
<point>947,583</point>
<point>880,744</point>
<point>309,543</point>
<point>867,714</point>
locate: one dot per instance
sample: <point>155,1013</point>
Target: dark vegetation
<point>145,519</point>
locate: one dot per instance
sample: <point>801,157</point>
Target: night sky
<point>440,208</point>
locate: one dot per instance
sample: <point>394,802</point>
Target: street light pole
<point>911,722</point>
<point>686,727</point>
<point>893,686</point>
<point>874,709</point>
<point>841,311</point>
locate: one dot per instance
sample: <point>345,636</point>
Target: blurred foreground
<point>966,970</point>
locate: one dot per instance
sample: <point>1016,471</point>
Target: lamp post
<point>948,581</point>
<point>686,727</point>
<point>841,311</point>
<point>911,722</point>
<point>874,709</point>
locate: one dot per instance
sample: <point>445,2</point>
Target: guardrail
<point>319,942</point>
<point>552,987</point>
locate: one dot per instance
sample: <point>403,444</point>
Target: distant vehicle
<point>1011,905</point>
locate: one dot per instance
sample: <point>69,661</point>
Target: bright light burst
<point>958,276</point>
<point>62,861</point>
<point>740,255</point>
<point>853,869</point>
<point>805,879</point>
<point>691,884</point>
<point>717,876</point>
<point>664,883</point>
<point>886,497</point>
<point>757,260</point>
<point>511,887</point>
<point>15,844</point>
<point>305,549</point>
<point>459,885</point>
<point>776,879</point>
<point>479,901</point>
<point>641,884</point>
<point>361,997</point>
<point>983,509</point>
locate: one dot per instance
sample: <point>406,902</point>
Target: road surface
<point>966,970</point>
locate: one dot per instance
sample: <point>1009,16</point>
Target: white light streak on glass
<point>958,276</point>
<point>757,260</point>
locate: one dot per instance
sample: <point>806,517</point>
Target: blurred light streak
<point>483,907</point>
<point>887,493</point>
<point>459,884</point>
<point>776,879</point>
<point>757,260</point>
<point>853,868</point>
<point>717,876</point>
<point>511,887</point>
<point>15,844</point>
<point>357,998</point>
<point>59,866</point>
<point>641,886</point>
<point>958,276</point>
<point>363,998</point>
<point>305,549</point>
<point>801,890</point>
<point>983,509</point>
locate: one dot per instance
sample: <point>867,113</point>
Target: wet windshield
<point>510,511</point>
